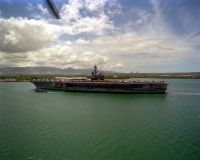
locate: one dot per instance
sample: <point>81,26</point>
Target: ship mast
<point>96,75</point>
<point>95,70</point>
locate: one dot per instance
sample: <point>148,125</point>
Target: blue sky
<point>122,35</point>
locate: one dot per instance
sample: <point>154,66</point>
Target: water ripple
<point>184,93</point>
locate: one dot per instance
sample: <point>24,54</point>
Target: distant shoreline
<point>120,76</point>
<point>29,77</point>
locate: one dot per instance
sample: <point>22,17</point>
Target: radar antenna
<point>96,75</point>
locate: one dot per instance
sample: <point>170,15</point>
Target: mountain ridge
<point>44,70</point>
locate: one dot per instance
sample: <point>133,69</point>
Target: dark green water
<point>89,126</point>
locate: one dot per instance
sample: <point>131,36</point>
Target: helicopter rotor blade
<point>53,9</point>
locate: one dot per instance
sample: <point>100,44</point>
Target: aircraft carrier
<point>97,83</point>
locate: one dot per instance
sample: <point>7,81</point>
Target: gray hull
<point>47,85</point>
<point>103,87</point>
<point>102,90</point>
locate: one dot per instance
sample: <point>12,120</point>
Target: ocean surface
<point>98,126</point>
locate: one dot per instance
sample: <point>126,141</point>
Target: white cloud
<point>95,5</point>
<point>82,41</point>
<point>43,10</point>
<point>30,7</point>
<point>38,11</point>
<point>35,42</point>
<point>76,23</point>
<point>94,25</point>
<point>114,8</point>
<point>58,56</point>
<point>21,34</point>
<point>145,41</point>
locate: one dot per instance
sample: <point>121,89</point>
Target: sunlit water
<point>91,126</point>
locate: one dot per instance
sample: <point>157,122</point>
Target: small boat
<point>40,90</point>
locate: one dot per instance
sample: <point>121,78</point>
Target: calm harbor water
<point>91,126</point>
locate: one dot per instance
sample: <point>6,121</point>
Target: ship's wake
<point>184,93</point>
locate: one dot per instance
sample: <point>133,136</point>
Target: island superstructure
<point>97,83</point>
